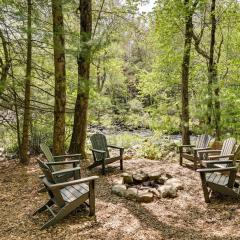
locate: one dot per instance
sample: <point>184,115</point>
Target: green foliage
<point>158,146</point>
<point>135,68</point>
<point>125,139</point>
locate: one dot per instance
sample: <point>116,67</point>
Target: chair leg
<point>180,157</point>
<point>121,163</point>
<point>103,168</point>
<point>44,207</point>
<point>92,198</point>
<point>42,190</point>
<point>196,160</point>
<point>204,187</point>
<point>60,215</point>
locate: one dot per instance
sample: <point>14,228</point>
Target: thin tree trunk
<point>24,157</point>
<point>79,133</point>
<point>17,123</point>
<point>213,88</point>
<point>4,66</point>
<point>60,78</point>
<point>185,74</point>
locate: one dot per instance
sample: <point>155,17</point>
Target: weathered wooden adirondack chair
<point>213,179</point>
<point>190,152</point>
<point>226,153</point>
<point>68,196</point>
<point>101,154</point>
<point>55,165</point>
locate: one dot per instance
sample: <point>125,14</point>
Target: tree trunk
<point>79,133</point>
<point>185,74</point>
<point>213,88</point>
<point>4,66</point>
<point>24,157</point>
<point>60,78</point>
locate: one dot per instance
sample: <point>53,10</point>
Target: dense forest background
<point>173,70</point>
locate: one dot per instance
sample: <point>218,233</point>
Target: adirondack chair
<point>67,196</point>
<point>216,180</point>
<point>190,152</point>
<point>101,154</point>
<point>226,153</point>
<point>55,166</point>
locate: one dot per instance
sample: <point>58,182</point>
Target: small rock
<point>140,177</point>
<point>118,181</point>
<point>144,196</point>
<point>131,193</point>
<point>154,175</point>
<point>127,178</point>
<point>162,179</point>
<point>168,191</point>
<point>155,192</point>
<point>119,190</point>
<point>176,183</point>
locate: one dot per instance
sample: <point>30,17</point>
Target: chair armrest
<point>112,146</point>
<point>219,156</point>
<point>62,162</point>
<point>210,151</point>
<point>68,155</point>
<point>53,186</point>
<point>209,170</point>
<point>217,162</point>
<point>66,171</point>
<point>201,149</point>
<point>98,151</point>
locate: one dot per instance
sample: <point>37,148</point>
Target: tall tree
<point>213,58</point>
<point>213,76</point>
<point>78,139</point>
<point>24,157</point>
<point>189,10</point>
<point>60,77</point>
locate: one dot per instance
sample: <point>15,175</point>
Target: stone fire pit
<point>145,186</point>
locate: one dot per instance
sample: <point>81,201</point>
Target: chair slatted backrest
<point>46,171</point>
<point>45,149</point>
<point>203,141</point>
<point>228,147</point>
<point>48,175</point>
<point>99,142</point>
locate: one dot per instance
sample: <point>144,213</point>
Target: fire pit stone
<point>145,186</point>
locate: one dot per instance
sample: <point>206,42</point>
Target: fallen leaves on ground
<point>185,217</point>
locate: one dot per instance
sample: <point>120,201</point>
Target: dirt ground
<point>184,217</point>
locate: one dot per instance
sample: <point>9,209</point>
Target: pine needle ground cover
<point>185,217</point>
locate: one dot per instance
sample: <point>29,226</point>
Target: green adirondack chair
<point>56,167</point>
<point>67,196</point>
<point>229,148</point>
<point>101,154</point>
<point>216,180</point>
<point>190,152</point>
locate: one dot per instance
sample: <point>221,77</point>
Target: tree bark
<point>77,144</point>
<point>5,66</point>
<point>213,88</point>
<point>60,78</point>
<point>24,157</point>
<point>185,74</point>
